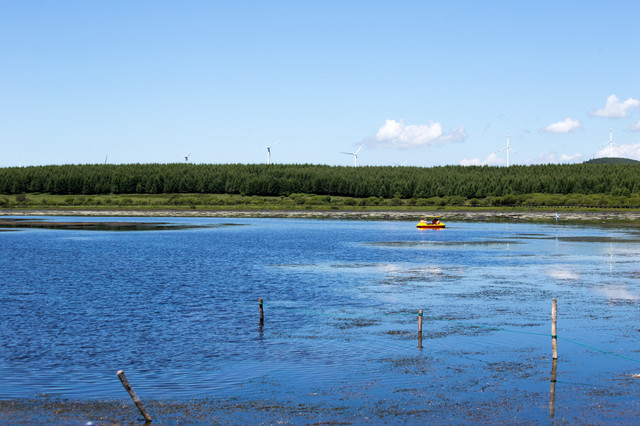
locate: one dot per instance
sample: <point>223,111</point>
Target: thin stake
<point>261,311</point>
<point>420,321</point>
<point>552,389</point>
<point>133,395</point>
<point>554,330</point>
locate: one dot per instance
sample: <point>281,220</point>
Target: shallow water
<point>177,310</point>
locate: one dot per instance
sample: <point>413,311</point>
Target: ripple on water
<point>178,311</point>
<point>439,244</point>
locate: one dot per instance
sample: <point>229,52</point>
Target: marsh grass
<point>296,201</point>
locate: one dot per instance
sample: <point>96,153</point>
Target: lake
<point>176,307</point>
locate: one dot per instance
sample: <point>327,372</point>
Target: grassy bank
<point>316,202</point>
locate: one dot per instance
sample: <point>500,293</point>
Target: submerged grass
<point>348,323</point>
<point>101,226</point>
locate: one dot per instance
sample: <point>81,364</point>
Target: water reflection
<point>611,257</point>
<point>617,293</point>
<point>552,390</point>
<point>562,273</point>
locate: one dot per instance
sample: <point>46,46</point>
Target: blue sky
<point>423,82</point>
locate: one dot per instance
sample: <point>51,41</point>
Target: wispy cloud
<point>635,127</point>
<point>614,108</point>
<point>547,157</point>
<point>397,134</point>
<point>565,126</point>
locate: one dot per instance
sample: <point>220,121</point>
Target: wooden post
<point>261,311</point>
<point>420,329</point>
<point>552,390</point>
<point>554,328</point>
<point>133,395</point>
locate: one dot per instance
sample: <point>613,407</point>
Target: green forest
<point>582,185</point>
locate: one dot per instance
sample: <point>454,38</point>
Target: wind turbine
<point>355,155</point>
<point>400,165</point>
<point>186,157</point>
<point>610,142</point>
<point>269,151</point>
<point>508,149</point>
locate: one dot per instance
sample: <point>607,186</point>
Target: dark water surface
<point>177,310</point>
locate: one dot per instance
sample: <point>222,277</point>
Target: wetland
<point>176,308</point>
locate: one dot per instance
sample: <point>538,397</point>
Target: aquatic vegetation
<point>346,323</point>
<point>98,226</point>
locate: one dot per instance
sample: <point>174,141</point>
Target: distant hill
<point>612,160</point>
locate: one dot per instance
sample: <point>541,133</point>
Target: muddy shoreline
<point>607,217</point>
<point>233,411</point>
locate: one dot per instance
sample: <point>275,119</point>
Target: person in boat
<point>435,221</point>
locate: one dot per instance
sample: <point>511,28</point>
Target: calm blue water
<point>177,310</point>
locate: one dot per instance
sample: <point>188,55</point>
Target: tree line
<point>468,182</point>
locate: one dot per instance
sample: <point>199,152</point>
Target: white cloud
<point>566,126</point>
<point>616,109</point>
<point>635,127</point>
<point>396,134</point>
<point>566,158</point>
<point>623,151</point>
<point>547,157</point>
<point>471,162</point>
<point>491,160</point>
